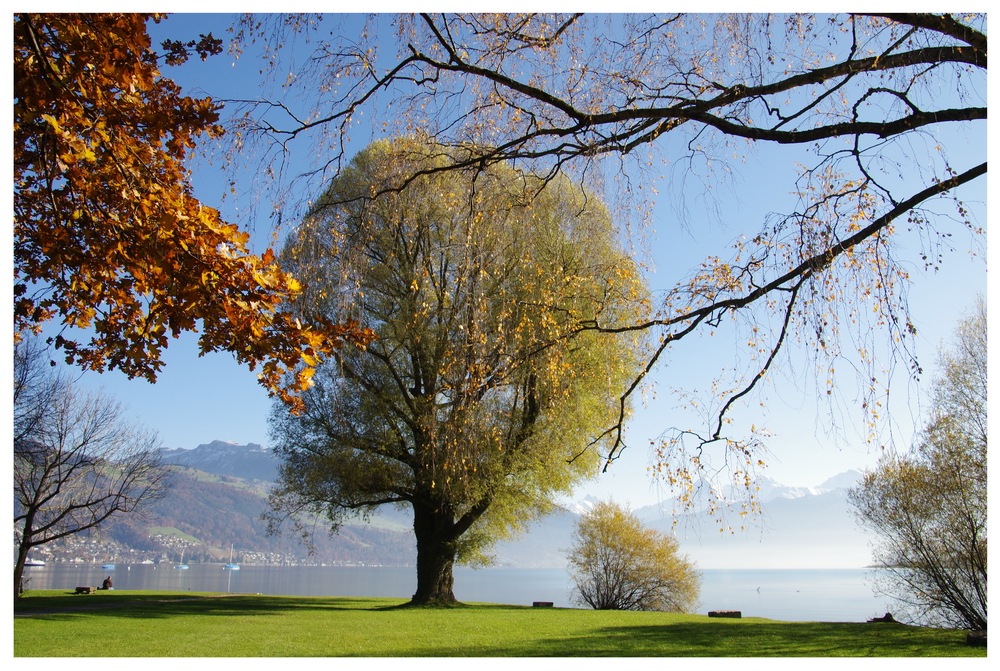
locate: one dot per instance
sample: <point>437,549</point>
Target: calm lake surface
<point>832,595</point>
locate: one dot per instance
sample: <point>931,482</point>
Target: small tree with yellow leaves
<point>619,564</point>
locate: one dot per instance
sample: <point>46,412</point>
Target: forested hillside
<point>228,511</point>
<point>205,514</point>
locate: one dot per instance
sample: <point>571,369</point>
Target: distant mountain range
<point>250,461</point>
<point>220,493</point>
<point>798,527</point>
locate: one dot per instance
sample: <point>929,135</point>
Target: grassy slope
<point>261,626</point>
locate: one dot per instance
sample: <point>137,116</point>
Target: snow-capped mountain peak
<point>845,480</point>
<point>583,506</point>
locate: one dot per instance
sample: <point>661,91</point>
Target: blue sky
<point>200,399</point>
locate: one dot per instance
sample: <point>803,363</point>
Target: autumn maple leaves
<point>109,240</point>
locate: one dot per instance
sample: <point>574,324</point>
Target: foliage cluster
<point>619,564</point>
<point>108,235</point>
<point>485,393</point>
<point>928,507</point>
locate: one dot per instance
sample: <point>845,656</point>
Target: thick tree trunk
<point>435,534</point>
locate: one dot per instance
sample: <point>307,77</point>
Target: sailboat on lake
<point>231,566</point>
<point>182,565</point>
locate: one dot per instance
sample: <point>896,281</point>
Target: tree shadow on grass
<point>747,639</point>
<point>178,605</point>
<point>775,639</point>
<point>181,606</point>
<point>458,605</point>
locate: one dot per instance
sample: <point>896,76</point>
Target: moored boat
<point>231,566</point>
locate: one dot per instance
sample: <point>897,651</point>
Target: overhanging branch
<point>789,281</point>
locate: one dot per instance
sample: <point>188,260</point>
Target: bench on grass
<point>725,613</point>
<point>86,590</point>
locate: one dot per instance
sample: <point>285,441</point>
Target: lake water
<point>832,595</point>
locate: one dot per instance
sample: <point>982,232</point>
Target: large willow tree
<point>484,394</point>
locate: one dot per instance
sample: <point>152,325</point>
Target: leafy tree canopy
<point>618,564</point>
<point>483,395</point>
<point>107,233</point>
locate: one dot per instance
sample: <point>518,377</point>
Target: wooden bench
<point>86,590</point>
<point>541,604</point>
<point>725,613</point>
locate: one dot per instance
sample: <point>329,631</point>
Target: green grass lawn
<point>173,624</point>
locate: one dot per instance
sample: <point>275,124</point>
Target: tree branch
<point>798,274</point>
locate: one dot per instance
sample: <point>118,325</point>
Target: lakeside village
<point>168,549</point>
